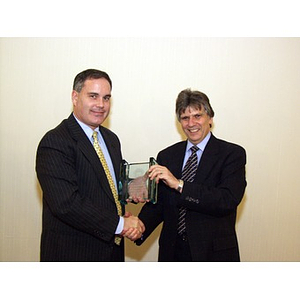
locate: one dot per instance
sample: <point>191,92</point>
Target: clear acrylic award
<point>134,181</point>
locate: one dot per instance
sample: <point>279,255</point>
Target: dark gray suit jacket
<point>211,202</point>
<point>79,212</point>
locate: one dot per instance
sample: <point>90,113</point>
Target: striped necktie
<point>109,178</point>
<point>188,174</point>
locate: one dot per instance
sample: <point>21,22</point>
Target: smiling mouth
<point>193,130</point>
<point>98,112</point>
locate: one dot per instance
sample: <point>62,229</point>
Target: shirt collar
<point>87,130</point>
<point>201,145</point>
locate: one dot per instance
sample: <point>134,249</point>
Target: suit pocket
<point>225,243</point>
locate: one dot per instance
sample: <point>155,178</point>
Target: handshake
<point>133,227</point>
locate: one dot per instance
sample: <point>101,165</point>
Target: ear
<point>211,122</point>
<point>74,97</point>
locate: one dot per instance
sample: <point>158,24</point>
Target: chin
<point>99,121</point>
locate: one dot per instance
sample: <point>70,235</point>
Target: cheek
<point>183,127</point>
<point>79,103</point>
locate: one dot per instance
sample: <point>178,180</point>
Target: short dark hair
<point>194,99</point>
<point>89,74</point>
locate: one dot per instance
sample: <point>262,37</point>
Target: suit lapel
<point>179,158</point>
<point>208,159</point>
<point>87,149</point>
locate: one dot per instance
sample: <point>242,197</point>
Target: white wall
<point>253,85</point>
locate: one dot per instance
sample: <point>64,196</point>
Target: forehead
<point>96,83</point>
<point>192,110</point>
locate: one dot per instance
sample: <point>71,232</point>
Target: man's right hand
<point>133,227</point>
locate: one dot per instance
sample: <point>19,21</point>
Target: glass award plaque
<point>134,181</point>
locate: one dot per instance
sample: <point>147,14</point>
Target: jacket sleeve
<point>151,216</point>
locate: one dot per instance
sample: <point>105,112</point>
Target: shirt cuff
<point>120,226</point>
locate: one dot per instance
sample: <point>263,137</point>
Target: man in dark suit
<point>81,221</point>
<point>197,204</point>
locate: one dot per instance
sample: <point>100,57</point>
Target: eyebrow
<point>97,94</point>
<point>199,113</point>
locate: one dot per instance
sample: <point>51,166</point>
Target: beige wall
<point>254,88</point>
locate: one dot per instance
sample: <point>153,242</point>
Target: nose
<point>100,102</point>
<point>191,121</point>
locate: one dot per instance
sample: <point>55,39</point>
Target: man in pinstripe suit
<point>80,219</point>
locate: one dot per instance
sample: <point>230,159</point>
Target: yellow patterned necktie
<point>109,178</point>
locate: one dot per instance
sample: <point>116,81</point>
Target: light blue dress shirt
<point>201,146</point>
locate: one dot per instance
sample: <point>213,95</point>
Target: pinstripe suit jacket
<point>211,201</point>
<point>79,212</point>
